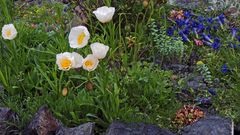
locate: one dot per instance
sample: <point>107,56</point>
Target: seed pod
<point>89,86</point>
<point>145,3</point>
<point>64,91</point>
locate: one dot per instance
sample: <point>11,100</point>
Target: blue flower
<point>210,8</point>
<point>233,46</point>
<point>195,24</point>
<point>224,68</point>
<point>208,28</point>
<point>220,23</point>
<point>184,37</point>
<point>170,31</point>
<point>187,14</point>
<point>216,44</point>
<point>180,22</point>
<point>210,20</point>
<point>200,27</point>
<point>186,31</point>
<point>212,92</point>
<point>206,37</point>
<point>234,32</point>
<point>238,38</point>
<point>215,28</point>
<point>175,28</point>
<point>201,19</point>
<point>207,43</point>
<point>187,21</point>
<point>222,18</point>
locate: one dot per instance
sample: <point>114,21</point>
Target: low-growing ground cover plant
<point>133,61</point>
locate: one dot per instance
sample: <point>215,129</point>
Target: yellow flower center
<point>89,63</point>
<point>81,37</point>
<point>65,63</point>
<point>8,33</point>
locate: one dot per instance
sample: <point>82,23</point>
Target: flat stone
<point>119,128</point>
<point>178,68</point>
<point>84,129</point>
<point>196,83</point>
<point>6,116</point>
<point>43,123</point>
<point>210,125</point>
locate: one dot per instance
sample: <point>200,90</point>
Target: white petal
<point>93,59</point>
<point>104,14</point>
<point>73,36</point>
<point>99,50</point>
<point>12,29</point>
<point>78,60</point>
<point>65,55</point>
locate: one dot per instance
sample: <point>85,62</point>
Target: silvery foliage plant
<point>215,4</point>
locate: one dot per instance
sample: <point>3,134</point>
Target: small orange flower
<point>173,14</point>
<point>177,14</point>
<point>187,115</point>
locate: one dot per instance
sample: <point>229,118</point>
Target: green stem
<point>3,5</point>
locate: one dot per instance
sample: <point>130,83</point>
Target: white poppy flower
<point>67,60</point>
<point>78,60</point>
<point>104,14</point>
<point>90,63</point>
<point>9,32</point>
<point>78,37</point>
<point>99,50</point>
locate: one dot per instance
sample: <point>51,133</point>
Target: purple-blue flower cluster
<point>204,28</point>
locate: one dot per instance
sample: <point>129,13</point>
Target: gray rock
<point>193,84</point>
<point>178,68</point>
<point>196,83</point>
<point>119,128</point>
<point>7,116</point>
<point>84,129</point>
<point>43,123</point>
<point>210,125</point>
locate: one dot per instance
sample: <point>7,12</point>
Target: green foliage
<point>164,45</point>
<point>228,103</point>
<point>149,90</point>
<point>204,71</point>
